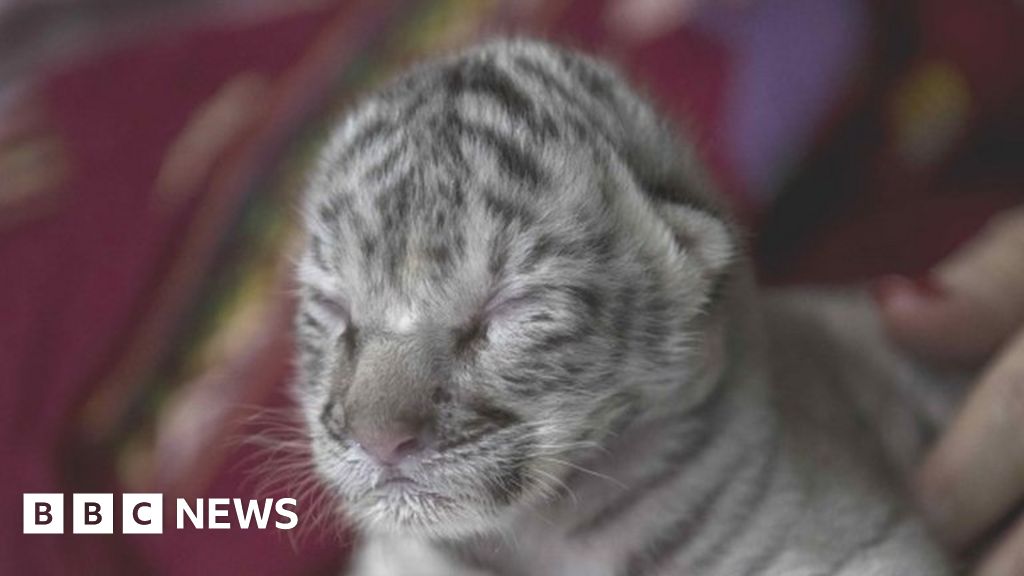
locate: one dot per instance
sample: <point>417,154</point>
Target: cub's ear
<point>695,225</point>
<point>704,235</point>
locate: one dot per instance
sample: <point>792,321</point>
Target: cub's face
<point>465,335</point>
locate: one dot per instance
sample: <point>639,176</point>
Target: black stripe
<point>470,337</point>
<point>332,207</point>
<point>497,252</point>
<point>449,127</point>
<point>412,107</point>
<point>485,79</point>
<point>603,246</point>
<point>440,254</point>
<point>386,165</point>
<point>555,340</point>
<point>547,247</point>
<point>618,410</point>
<point>494,414</point>
<point>307,320</point>
<point>588,296</point>
<point>515,161</point>
<point>332,419</point>
<point>330,305</point>
<point>572,113</point>
<point>653,557</point>
<point>541,249</point>
<point>311,349</point>
<point>892,519</point>
<point>512,480</point>
<point>584,295</point>
<point>747,508</point>
<point>763,561</point>
<point>393,206</point>
<point>311,364</point>
<point>454,193</point>
<point>369,134</point>
<point>486,419</point>
<point>440,219</point>
<point>541,317</point>
<point>368,248</point>
<point>316,249</point>
<point>352,339</point>
<point>681,458</point>
<point>622,325</point>
<point>592,79</point>
<point>544,76</point>
<point>505,209</point>
<point>517,379</point>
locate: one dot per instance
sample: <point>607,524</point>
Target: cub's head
<point>481,306</point>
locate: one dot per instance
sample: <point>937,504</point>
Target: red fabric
<point>892,214</point>
<point>79,273</point>
<point>684,71</point>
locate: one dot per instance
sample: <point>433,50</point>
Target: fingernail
<point>927,286</point>
<point>889,288</point>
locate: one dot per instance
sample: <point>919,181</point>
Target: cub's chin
<point>405,507</point>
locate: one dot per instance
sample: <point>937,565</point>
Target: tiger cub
<point>529,345</point>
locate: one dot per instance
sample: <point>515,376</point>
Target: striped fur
<point>512,237</point>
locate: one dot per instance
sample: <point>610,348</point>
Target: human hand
<point>969,312</point>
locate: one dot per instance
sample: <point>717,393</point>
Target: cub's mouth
<point>395,481</point>
<point>462,489</point>
<point>401,504</point>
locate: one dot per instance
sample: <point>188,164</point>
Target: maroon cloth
<point>79,270</point>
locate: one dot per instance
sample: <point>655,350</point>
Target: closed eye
<point>544,301</point>
<point>470,336</point>
<point>500,306</point>
<point>330,308</point>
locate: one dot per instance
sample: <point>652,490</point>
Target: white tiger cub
<point>529,346</point>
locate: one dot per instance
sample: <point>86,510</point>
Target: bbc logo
<point>92,513</point>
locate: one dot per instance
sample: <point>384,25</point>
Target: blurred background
<point>152,153</point>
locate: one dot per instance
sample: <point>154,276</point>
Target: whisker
<point>587,471</point>
<point>560,483</point>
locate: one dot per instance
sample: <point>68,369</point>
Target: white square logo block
<point>142,513</point>
<point>93,514</point>
<point>42,513</point>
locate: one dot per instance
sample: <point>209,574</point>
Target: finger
<point>976,473</point>
<point>1008,557</point>
<point>933,321</point>
<point>970,304</point>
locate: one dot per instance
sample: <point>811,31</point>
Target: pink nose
<point>391,446</point>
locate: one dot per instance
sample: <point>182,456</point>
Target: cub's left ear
<point>703,235</point>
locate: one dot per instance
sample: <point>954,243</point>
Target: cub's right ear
<point>701,234</point>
